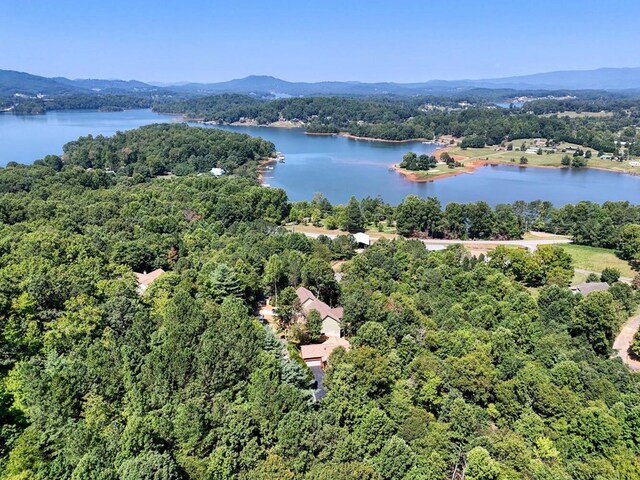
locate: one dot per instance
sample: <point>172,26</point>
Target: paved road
<point>439,244</point>
<point>622,279</point>
<point>528,244</point>
<point>623,341</point>
<point>318,374</point>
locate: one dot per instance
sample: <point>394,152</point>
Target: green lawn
<point>544,160</point>
<point>542,236</point>
<point>597,259</point>
<point>579,277</point>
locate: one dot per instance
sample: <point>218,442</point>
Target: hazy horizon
<point>178,82</point>
<point>332,41</point>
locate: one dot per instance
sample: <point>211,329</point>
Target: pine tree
<point>354,220</point>
<point>224,282</point>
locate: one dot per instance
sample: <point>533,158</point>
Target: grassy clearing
<point>544,160</point>
<point>571,114</point>
<point>579,277</point>
<point>543,236</point>
<point>424,175</point>
<point>597,259</point>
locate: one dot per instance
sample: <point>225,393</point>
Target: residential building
<point>316,355</point>
<point>362,239</point>
<point>331,317</point>
<point>588,287</point>
<point>145,279</point>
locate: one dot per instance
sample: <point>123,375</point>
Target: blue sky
<point>312,40</point>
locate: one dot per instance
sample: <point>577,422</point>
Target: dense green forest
<point>401,119</point>
<point>609,225</point>
<point>603,104</point>
<point>388,117</point>
<point>35,106</point>
<point>160,148</point>
<point>456,367</point>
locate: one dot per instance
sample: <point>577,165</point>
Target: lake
<point>26,138</point>
<point>338,167</point>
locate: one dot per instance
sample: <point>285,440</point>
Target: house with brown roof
<point>316,355</point>
<point>331,317</point>
<point>145,279</point>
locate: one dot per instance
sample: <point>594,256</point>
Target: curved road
<point>623,341</point>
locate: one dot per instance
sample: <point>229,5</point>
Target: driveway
<point>318,374</point>
<point>440,244</point>
<point>623,341</point>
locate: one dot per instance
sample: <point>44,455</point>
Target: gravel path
<point>622,343</point>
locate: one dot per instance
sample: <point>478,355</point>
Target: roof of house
<point>362,238</point>
<point>145,279</point>
<point>323,350</point>
<point>588,287</point>
<point>304,295</point>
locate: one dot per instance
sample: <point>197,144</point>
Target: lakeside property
<point>534,155</point>
<point>338,167</point>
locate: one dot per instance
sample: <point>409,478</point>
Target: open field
<point>441,171</point>
<point>579,114</point>
<point>544,160</point>
<point>312,230</point>
<point>542,235</point>
<point>579,277</point>
<point>597,259</point>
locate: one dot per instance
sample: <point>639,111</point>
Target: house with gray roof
<point>588,287</point>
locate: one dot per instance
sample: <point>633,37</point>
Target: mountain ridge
<point>624,78</point>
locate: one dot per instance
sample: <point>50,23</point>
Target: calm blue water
<point>340,167</point>
<point>336,166</point>
<point>26,138</point>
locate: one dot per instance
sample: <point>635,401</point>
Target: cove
<point>26,138</point>
<point>339,167</point>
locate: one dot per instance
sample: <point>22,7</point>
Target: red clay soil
<point>623,341</point>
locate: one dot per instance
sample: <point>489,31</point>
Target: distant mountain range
<point>12,82</point>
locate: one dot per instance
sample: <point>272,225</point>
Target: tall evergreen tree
<point>354,221</point>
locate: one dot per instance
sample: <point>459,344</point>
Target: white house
<point>362,239</point>
<point>217,172</point>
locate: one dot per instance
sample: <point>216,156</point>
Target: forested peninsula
<point>489,365</point>
<point>414,118</point>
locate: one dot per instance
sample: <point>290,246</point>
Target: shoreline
<point>261,169</point>
<point>417,176</point>
<point>373,139</point>
<point>469,166</point>
<point>287,124</point>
